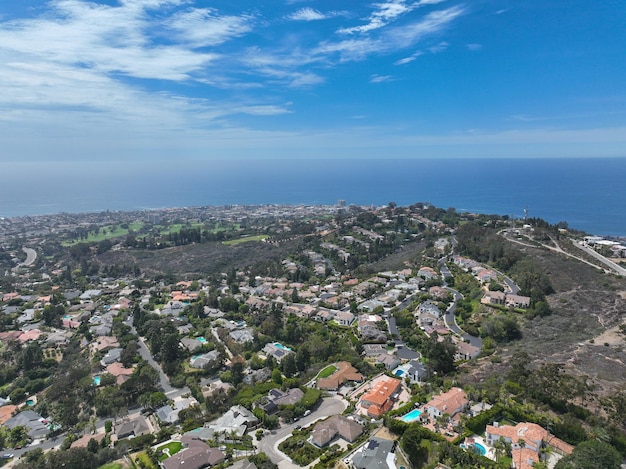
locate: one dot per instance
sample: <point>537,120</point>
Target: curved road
<point>269,443</point>
<point>31,257</point>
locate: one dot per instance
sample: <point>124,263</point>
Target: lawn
<point>144,461</point>
<point>105,233</point>
<point>245,239</point>
<point>173,447</point>
<point>113,465</point>
<point>328,371</point>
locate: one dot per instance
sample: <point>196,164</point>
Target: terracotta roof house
<point>345,372</point>
<point>380,398</point>
<point>427,272</point>
<point>336,426</point>
<point>450,402</point>
<point>105,342</point>
<point>535,437</point>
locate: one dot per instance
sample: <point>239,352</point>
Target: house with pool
<point>451,402</point>
<point>535,438</point>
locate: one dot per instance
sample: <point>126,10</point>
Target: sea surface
<point>589,194</point>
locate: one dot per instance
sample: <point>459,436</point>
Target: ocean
<point>588,194</point>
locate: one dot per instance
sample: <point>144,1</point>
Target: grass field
<point>145,461</point>
<point>105,233</point>
<point>326,372</point>
<point>114,465</point>
<point>245,239</point>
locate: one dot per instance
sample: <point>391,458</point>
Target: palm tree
<point>500,448</point>
<point>522,444</point>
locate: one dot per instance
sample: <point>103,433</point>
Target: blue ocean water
<point>587,193</point>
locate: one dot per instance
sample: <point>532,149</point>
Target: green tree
<point>591,454</point>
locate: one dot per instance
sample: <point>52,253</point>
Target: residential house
<point>256,376</point>
<point>517,301</point>
<point>381,397</point>
<point>276,350</point>
<point>191,344</point>
<point>466,351</point>
<point>387,360</point>
<point>242,336</point>
<point>414,370</point>
<point>344,318</point>
<point>205,360</point>
<point>427,273</point>
<point>450,402</point>
<point>535,438</point>
<point>373,350</point>
<point>429,307</point>
<point>494,298</point>
<point>276,398</point>
<point>345,372</point>
<point>133,428</point>
<point>83,441</point>
<point>237,420</point>
<point>336,426</point>
<point>377,453</point>
<point>196,454</point>
<point>33,422</point>
<point>112,356</point>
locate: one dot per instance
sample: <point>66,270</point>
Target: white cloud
<point>474,47</point>
<point>409,59</point>
<point>439,47</point>
<point>307,14</point>
<point>264,110</point>
<point>203,27</point>
<point>410,34</point>
<point>380,78</point>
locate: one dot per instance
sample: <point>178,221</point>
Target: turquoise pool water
<point>411,416</point>
<point>202,340</point>
<point>281,346</point>
<point>96,380</point>
<point>30,403</point>
<point>476,448</point>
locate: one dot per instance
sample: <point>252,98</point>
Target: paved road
<point>403,352</point>
<point>450,321</point>
<point>31,256</point>
<point>269,443</point>
<point>612,265</point>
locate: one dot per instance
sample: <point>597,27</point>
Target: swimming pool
<point>202,340</point>
<point>476,448</point>
<point>281,346</point>
<point>96,380</point>
<point>411,416</point>
<point>399,372</point>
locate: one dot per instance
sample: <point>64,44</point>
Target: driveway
<point>269,443</point>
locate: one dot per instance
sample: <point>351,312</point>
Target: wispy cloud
<point>204,27</point>
<point>380,79</point>
<point>439,47</point>
<point>474,47</point>
<point>307,14</point>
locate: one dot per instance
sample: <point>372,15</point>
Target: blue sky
<point>135,80</point>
